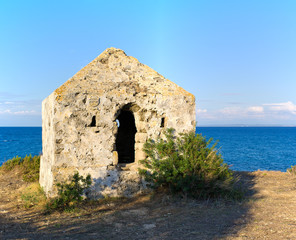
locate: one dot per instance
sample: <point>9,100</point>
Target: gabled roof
<point>114,69</point>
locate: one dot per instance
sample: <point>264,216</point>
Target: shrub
<point>187,164</point>
<point>292,170</point>
<point>11,163</point>
<point>70,194</point>
<point>29,166</point>
<point>33,195</point>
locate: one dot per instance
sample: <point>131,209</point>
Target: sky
<point>237,57</point>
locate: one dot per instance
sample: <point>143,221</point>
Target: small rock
<point>135,212</point>
<point>149,226</point>
<point>118,225</point>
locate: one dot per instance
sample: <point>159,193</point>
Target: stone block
<point>140,155</point>
<point>141,137</point>
<point>142,127</point>
<point>139,146</point>
<point>115,157</point>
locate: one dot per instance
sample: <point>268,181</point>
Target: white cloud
<point>270,114</point>
<point>201,110</point>
<point>230,111</point>
<point>5,111</point>
<point>282,107</point>
<point>204,114</point>
<point>23,112</point>
<point>255,109</point>
<point>10,108</point>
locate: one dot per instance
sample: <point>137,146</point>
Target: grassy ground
<point>267,212</point>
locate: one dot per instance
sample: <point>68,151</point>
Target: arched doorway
<point>125,139</point>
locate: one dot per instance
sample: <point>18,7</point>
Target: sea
<point>19,141</point>
<point>243,148</point>
<point>254,148</point>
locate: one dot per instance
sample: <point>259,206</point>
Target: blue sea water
<point>253,148</point>
<point>244,148</point>
<point>19,141</point>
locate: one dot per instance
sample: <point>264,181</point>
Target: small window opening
<point>162,122</point>
<point>93,122</point>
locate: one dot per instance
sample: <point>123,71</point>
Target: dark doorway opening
<point>125,140</point>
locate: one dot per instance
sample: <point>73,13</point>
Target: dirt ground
<point>267,212</point>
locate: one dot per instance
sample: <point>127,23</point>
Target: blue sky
<point>237,57</point>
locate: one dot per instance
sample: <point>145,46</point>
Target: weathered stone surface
<point>80,123</point>
<point>115,158</point>
<point>141,137</point>
<point>139,146</point>
<point>140,155</point>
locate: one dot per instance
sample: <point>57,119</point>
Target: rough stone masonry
<point>97,122</point>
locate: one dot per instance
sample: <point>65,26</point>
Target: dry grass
<point>268,212</point>
<point>32,196</point>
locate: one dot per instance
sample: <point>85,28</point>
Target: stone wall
<point>79,121</point>
<point>48,143</point>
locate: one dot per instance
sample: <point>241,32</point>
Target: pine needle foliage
<point>70,194</point>
<point>187,164</point>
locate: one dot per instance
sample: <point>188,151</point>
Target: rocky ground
<point>267,212</point>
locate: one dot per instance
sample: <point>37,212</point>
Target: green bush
<point>33,196</point>
<point>187,164</point>
<point>29,166</point>
<point>11,163</point>
<point>70,194</point>
<point>292,170</point>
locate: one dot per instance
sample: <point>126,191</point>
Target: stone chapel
<point>98,121</point>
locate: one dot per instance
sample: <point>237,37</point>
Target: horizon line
<point>246,125</point>
<point>213,125</point>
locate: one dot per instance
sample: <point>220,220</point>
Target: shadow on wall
<point>118,183</point>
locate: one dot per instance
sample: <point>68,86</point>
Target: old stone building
<point>98,121</point>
